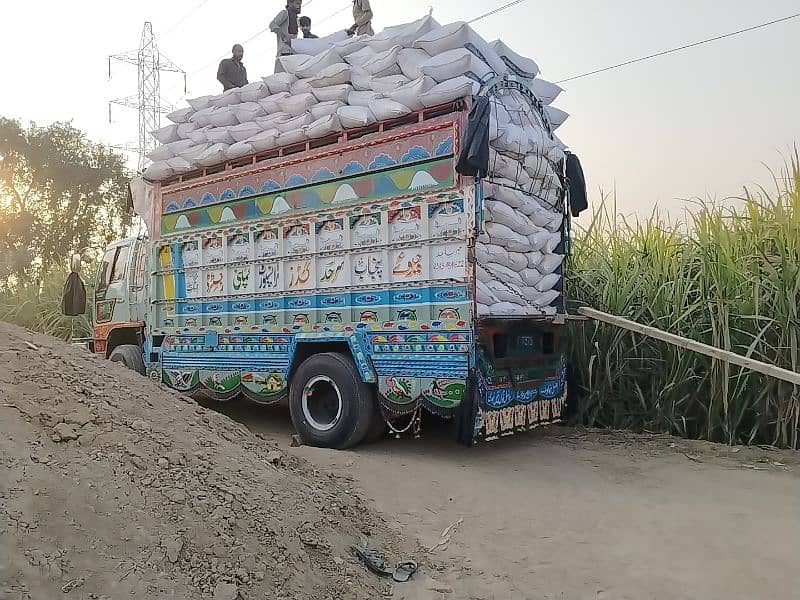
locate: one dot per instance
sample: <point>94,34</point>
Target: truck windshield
<point>112,269</point>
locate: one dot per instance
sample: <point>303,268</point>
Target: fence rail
<point>688,344</point>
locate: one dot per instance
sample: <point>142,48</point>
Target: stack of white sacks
<point>333,84</point>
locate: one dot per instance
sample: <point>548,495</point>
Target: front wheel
<point>129,355</point>
<point>330,406</point>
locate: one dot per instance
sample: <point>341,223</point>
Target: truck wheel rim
<point>322,403</point>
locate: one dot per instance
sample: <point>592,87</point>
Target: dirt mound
<point>111,485</point>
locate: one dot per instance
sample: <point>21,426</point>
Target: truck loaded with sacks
<point>375,235</point>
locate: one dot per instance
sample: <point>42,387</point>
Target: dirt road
<point>564,514</point>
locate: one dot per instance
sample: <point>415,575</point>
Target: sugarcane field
<point>358,300</point>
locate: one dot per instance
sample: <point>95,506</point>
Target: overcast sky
<point>698,123</point>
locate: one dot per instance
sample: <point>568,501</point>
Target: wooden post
<point>694,346</point>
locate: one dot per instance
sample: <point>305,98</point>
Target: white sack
<point>202,117</point>
<point>167,151</point>
<point>546,298</point>
<point>332,93</point>
<point>184,129</point>
<point>403,35</point>
<point>323,109</point>
<point>248,111</point>
<point>300,86</point>
<point>292,123</point>
<point>226,99</point>
<point>484,295</point>
<point>490,253</point>
<point>295,136</point>
<point>291,62</point>
<point>504,236</point>
<point>195,152</point>
<point>167,135</point>
<point>384,109</point>
<point>531,277</point>
<point>545,91</point>
<point>181,115</point>
<point>180,165</point>
<point>549,263</point>
<point>270,103</point>
<point>517,64</point>
<point>316,46</point>
<point>449,91</point>
<point>384,63</point>
<point>335,74</point>
<point>505,292</point>
<point>556,116</point>
<point>386,85</point>
<point>297,105</point>
<point>410,61</point>
<point>158,171</point>
<point>268,122</point>
<point>534,257</point>
<point>200,103</point>
<point>198,136</point>
<point>410,93</point>
<point>547,282</point>
<point>352,117</point>
<point>322,127</point>
<point>453,63</point>
<point>516,261</point>
<point>240,133</point>
<point>223,117</point>
<point>279,82</point>
<point>266,140</point>
<point>503,274</point>
<point>317,63</point>
<point>357,59</point>
<point>357,98</point>
<point>220,135</point>
<point>253,92</point>
<point>213,155</point>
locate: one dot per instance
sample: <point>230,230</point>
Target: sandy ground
<point>569,514</point>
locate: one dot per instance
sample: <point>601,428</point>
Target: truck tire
<point>377,429</point>
<point>330,406</point>
<point>129,355</point>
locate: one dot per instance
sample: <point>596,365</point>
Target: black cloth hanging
<point>578,201</point>
<point>73,300</point>
<point>473,161</point>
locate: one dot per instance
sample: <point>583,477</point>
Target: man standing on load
<point>284,26</point>
<point>231,72</point>
<point>362,17</point>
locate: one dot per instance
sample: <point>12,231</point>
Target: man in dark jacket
<point>231,72</point>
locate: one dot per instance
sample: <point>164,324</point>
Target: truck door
<point>137,279</point>
<point>110,296</point>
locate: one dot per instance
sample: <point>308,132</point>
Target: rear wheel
<point>330,406</point>
<point>129,355</point>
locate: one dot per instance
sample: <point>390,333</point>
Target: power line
<point>183,18</point>
<point>495,11</point>
<point>679,48</point>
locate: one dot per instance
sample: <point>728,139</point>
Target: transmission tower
<point>150,63</point>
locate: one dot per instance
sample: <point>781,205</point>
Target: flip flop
<point>404,570</point>
<point>372,560</point>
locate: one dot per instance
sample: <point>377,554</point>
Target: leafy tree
<point>59,194</point>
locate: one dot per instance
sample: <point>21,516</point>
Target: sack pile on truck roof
<point>332,84</point>
<point>337,83</point>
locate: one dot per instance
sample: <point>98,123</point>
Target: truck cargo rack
<point>344,136</point>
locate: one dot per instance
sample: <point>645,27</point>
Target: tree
<point>59,194</point>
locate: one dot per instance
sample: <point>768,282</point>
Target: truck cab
<point>119,303</point>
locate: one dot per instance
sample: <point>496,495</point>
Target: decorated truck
<point>340,275</point>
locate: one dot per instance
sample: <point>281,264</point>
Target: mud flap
<point>468,413</point>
